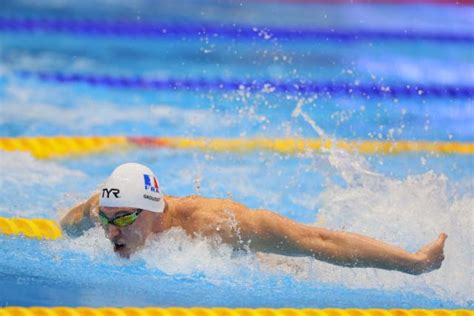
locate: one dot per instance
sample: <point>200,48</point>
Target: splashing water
<point>409,213</point>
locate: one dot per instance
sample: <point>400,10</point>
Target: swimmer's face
<point>130,237</point>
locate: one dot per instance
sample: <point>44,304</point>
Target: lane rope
<point>198,311</point>
<point>62,146</point>
<point>265,86</point>
<point>153,30</point>
<point>36,228</point>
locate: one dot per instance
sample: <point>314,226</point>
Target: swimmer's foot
<point>431,256</point>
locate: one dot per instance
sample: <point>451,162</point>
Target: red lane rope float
<point>61,146</point>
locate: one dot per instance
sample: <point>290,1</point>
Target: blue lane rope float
<point>308,87</point>
<point>144,29</point>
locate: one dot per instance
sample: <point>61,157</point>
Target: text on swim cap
<point>106,192</point>
<point>149,185</point>
<point>149,197</point>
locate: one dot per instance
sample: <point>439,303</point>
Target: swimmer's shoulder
<point>193,199</point>
<point>183,206</point>
<point>183,199</point>
<point>193,203</point>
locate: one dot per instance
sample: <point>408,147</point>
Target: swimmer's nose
<point>112,231</point>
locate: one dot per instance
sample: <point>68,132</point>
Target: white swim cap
<point>132,185</point>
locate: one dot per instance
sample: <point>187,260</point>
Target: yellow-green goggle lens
<point>103,220</point>
<point>125,220</point>
<point>120,221</point>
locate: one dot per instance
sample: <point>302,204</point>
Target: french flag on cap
<point>151,183</point>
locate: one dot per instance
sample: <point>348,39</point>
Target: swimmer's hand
<point>431,256</point>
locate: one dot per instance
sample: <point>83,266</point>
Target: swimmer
<point>130,207</point>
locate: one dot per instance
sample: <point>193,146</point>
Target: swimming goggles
<point>120,220</point>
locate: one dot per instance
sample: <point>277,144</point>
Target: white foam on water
<point>173,252</point>
<point>92,243</point>
<point>92,114</point>
<point>19,59</point>
<point>26,181</point>
<point>81,114</point>
<point>421,70</point>
<point>408,213</point>
<point>25,170</point>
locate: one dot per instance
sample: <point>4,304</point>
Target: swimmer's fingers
<point>442,238</point>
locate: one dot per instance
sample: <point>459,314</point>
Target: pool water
<point>405,199</point>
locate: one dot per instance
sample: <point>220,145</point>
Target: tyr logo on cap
<point>153,187</point>
<point>106,192</point>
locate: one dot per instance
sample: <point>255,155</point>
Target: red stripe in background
<point>451,2</point>
<point>148,141</point>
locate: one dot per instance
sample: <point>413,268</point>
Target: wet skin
<point>259,230</point>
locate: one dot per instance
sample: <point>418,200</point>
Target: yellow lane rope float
<point>175,311</point>
<point>32,228</point>
<point>63,146</point>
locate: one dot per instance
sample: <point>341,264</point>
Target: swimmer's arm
<point>81,217</point>
<point>270,232</point>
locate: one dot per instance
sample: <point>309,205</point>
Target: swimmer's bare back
<point>266,231</point>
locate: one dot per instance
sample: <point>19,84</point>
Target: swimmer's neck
<point>163,221</point>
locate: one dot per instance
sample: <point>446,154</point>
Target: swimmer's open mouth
<point>118,246</point>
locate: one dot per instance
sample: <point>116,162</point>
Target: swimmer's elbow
<point>76,229</point>
<point>76,221</point>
